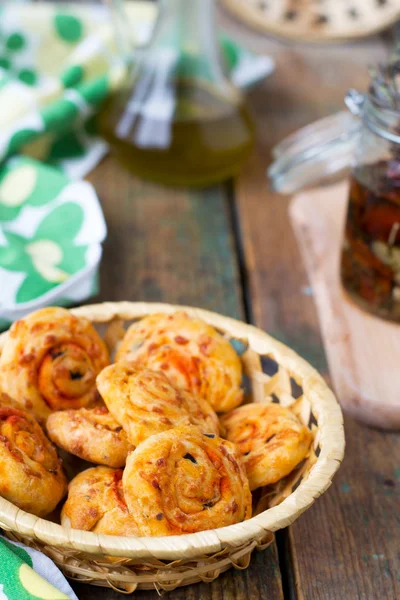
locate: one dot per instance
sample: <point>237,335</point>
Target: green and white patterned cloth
<point>50,238</point>
<point>57,64</point>
<point>56,67</point>
<point>26,574</point>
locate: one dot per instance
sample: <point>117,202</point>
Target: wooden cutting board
<point>363,351</point>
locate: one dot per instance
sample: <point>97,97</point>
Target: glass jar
<point>370,265</point>
<point>365,143</point>
<point>178,119</point>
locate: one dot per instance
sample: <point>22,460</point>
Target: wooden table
<point>231,249</point>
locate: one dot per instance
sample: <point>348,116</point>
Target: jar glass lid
<point>315,153</point>
<point>326,148</point>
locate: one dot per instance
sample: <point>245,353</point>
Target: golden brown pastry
<point>96,503</point>
<point>183,481</point>
<point>31,475</point>
<point>146,403</point>
<point>193,355</point>
<point>50,361</point>
<point>271,439</point>
<point>90,433</point>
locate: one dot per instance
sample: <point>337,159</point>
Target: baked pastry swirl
<point>50,361</point>
<point>31,475</point>
<point>96,503</point>
<point>90,433</point>
<point>271,439</point>
<point>183,481</point>
<point>146,403</point>
<point>193,355</point>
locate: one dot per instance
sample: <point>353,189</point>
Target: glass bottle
<point>178,120</point>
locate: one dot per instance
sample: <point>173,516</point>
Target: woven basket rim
<point>332,443</point>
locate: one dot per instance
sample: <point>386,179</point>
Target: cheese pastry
<point>31,475</point>
<point>193,355</point>
<point>90,433</point>
<point>271,439</point>
<point>96,503</point>
<point>50,361</point>
<point>146,403</point>
<point>183,481</point>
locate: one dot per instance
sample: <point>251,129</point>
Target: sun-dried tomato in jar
<point>370,266</point>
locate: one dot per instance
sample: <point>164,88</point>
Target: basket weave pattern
<point>274,373</point>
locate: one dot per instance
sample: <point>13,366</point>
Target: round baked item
<point>271,439</point>
<point>193,355</point>
<point>90,433</point>
<point>146,403</point>
<point>31,474</point>
<point>96,503</point>
<point>183,481</point>
<point>50,361</point>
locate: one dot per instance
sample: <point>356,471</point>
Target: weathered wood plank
<point>346,546</point>
<point>166,244</point>
<point>176,246</point>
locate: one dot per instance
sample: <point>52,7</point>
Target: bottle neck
<point>190,20</point>
<point>186,31</point>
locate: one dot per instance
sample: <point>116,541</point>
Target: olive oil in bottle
<point>178,120</point>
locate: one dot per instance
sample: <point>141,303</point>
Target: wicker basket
<point>274,372</point>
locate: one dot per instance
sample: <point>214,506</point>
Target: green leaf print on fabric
<point>32,287</point>
<point>69,28</point>
<point>59,116</point>
<point>20,552</point>
<point>94,92</point>
<point>26,182</point>
<point>65,221</point>
<point>28,76</point>
<point>68,146</point>
<point>5,62</point>
<point>10,47</point>
<point>72,76</point>
<point>49,257</point>
<point>18,579</point>
<point>15,42</point>
<point>11,559</point>
<point>21,137</point>
<point>12,257</point>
